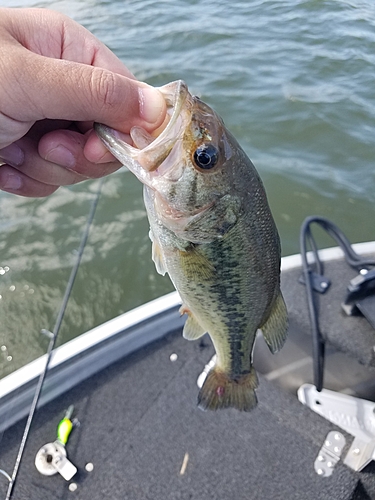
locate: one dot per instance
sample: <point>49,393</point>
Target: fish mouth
<point>142,162</point>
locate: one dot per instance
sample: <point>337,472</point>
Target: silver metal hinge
<point>356,416</point>
<point>329,454</point>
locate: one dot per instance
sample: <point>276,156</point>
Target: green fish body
<point>213,233</point>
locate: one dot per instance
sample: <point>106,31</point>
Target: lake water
<point>295,83</point>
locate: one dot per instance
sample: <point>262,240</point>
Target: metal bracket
<point>361,296</point>
<point>319,283</point>
<point>329,454</point>
<point>354,415</point>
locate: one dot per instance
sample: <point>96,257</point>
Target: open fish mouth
<point>152,151</point>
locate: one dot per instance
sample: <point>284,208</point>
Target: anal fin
<point>192,329</point>
<point>276,327</point>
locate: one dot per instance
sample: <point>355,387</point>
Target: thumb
<point>60,89</point>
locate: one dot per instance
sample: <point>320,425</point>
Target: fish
<point>212,231</point>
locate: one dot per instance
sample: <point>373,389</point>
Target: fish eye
<point>206,156</point>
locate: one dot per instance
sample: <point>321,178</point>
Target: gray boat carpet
<point>144,435</point>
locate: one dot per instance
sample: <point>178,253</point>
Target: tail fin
<point>220,391</point>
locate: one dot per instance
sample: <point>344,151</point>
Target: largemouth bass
<point>213,233</point>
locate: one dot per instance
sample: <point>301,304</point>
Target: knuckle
<point>104,88</point>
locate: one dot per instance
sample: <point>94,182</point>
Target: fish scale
<point>229,297</point>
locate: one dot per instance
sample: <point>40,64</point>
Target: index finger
<point>52,34</point>
<point>76,88</point>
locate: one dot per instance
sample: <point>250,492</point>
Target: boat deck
<point>144,435</point>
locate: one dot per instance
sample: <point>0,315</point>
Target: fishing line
<point>53,337</point>
<point>353,259</point>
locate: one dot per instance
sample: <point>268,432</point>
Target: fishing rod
<point>53,337</point>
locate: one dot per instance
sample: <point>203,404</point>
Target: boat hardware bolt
<point>73,486</point>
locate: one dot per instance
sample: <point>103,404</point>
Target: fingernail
<point>151,104</point>
<point>13,182</point>
<point>12,155</point>
<point>61,156</point>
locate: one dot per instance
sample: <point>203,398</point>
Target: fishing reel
<point>52,457</point>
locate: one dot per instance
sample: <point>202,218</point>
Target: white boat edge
<point>126,333</point>
<point>88,340</point>
<point>326,254</point>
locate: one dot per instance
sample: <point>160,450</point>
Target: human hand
<point>57,79</point>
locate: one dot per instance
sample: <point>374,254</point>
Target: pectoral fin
<point>195,264</point>
<point>275,328</point>
<point>157,255</point>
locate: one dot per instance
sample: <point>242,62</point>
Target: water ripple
<point>294,82</point>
